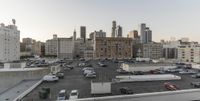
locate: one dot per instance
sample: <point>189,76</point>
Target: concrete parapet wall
<point>11,78</point>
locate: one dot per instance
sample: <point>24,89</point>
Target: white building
<point>65,48</point>
<point>9,43</point>
<point>189,52</point>
<point>51,46</point>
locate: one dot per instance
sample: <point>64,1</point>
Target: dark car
<point>60,75</point>
<point>102,65</point>
<point>138,73</point>
<point>126,90</point>
<point>195,84</point>
<point>69,67</point>
<point>196,75</point>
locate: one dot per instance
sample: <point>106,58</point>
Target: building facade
<point>65,48</point>
<point>100,33</point>
<point>38,48</point>
<point>110,47</point>
<point>189,52</point>
<point>152,50</point>
<point>9,43</point>
<point>51,46</point>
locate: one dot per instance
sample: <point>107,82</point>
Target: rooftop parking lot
<point>74,79</point>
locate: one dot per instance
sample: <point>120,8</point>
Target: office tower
<point>135,34</point>
<point>74,35</point>
<point>113,29</point>
<point>119,31</point>
<point>142,32</point>
<point>9,43</point>
<point>145,34</point>
<point>83,33</point>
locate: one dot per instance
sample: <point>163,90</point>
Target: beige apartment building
<point>113,47</point>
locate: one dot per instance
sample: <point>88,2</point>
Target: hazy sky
<point>40,19</point>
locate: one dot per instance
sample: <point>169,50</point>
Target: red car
<point>170,86</point>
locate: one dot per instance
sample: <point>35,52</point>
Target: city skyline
<point>40,20</point>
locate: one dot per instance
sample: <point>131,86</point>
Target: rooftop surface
<point>18,69</point>
<point>15,91</point>
<point>182,95</point>
<point>74,79</point>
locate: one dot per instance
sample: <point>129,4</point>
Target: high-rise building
<point>119,31</point>
<point>145,34</point>
<point>114,26</point>
<point>148,35</point>
<point>9,43</point>
<point>83,33</point>
<point>74,35</point>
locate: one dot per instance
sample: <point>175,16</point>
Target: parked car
<point>196,75</point>
<point>126,90</point>
<point>90,75</point>
<point>87,68</point>
<point>81,64</point>
<point>138,73</point>
<point>121,71</point>
<point>50,78</point>
<point>195,84</point>
<point>170,86</point>
<point>187,72</point>
<point>101,64</point>
<point>73,95</point>
<point>60,75</point>
<point>89,71</point>
<point>62,95</point>
<point>69,67</point>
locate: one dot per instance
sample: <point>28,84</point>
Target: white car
<point>89,75</point>
<point>89,71</point>
<point>50,78</point>
<point>73,95</point>
<point>62,95</point>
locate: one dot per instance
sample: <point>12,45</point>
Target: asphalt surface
<point>75,80</point>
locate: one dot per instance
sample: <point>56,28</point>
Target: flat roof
<point>19,69</point>
<point>181,95</point>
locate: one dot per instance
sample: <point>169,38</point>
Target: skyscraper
<point>83,33</point>
<point>113,29</point>
<point>119,31</point>
<point>145,34</point>
<point>74,35</point>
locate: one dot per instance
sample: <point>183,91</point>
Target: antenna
<point>14,21</point>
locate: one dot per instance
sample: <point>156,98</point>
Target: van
<point>62,95</point>
<point>50,78</point>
